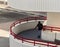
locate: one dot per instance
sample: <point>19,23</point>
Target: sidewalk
<point>4,38</point>
<point>4,34</point>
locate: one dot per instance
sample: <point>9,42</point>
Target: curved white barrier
<point>24,26</point>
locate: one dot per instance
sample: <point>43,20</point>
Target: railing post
<point>51,29</point>
<point>14,36</point>
<point>10,31</point>
<point>22,39</point>
<point>34,42</point>
<point>44,28</point>
<point>27,19</point>
<point>48,45</point>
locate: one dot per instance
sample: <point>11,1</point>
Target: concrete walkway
<point>4,38</point>
<point>31,34</point>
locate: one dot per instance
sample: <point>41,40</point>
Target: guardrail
<point>34,41</point>
<point>51,28</point>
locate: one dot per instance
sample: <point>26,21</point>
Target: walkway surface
<point>34,34</point>
<point>31,34</point>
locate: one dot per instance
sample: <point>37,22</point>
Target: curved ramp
<point>29,23</point>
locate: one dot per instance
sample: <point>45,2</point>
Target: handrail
<point>51,28</point>
<point>34,41</point>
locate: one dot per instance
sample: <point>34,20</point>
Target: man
<point>40,27</point>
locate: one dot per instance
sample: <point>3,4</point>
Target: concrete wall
<point>48,35</point>
<point>18,43</point>
<point>36,5</point>
<point>58,36</point>
<point>25,26</point>
<point>54,20</point>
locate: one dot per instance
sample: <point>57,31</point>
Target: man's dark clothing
<point>40,26</point>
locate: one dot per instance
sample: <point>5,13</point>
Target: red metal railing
<point>51,28</point>
<point>30,40</point>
